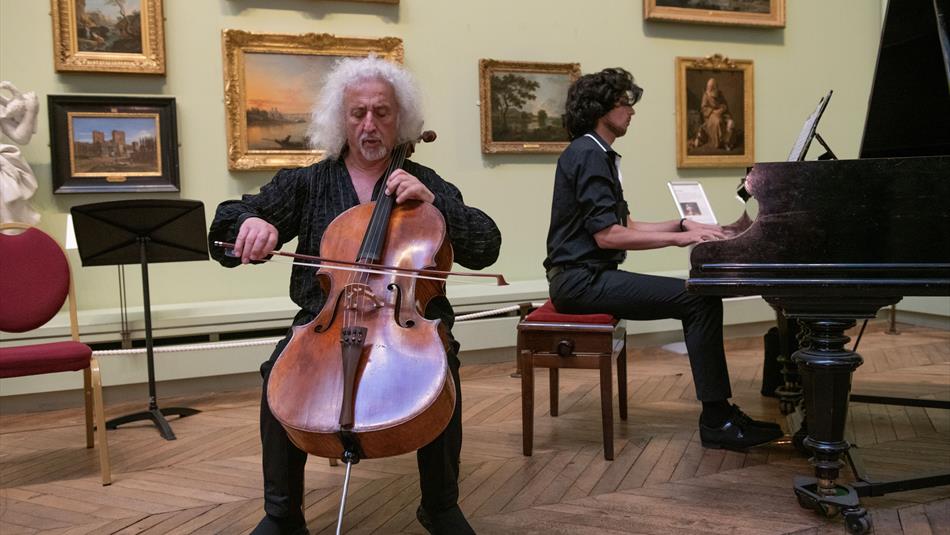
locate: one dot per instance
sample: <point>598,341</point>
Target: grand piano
<point>834,240</point>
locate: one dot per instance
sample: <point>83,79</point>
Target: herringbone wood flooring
<point>661,481</point>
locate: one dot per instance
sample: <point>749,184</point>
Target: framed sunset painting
<point>271,84</point>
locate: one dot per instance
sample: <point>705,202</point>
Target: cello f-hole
<point>395,288</point>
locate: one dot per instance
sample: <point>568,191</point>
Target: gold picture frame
<point>755,13</point>
<point>109,39</point>
<point>531,85</point>
<point>712,129</point>
<point>278,108</point>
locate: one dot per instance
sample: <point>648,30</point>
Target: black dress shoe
<point>744,419</point>
<point>738,433</point>
<point>448,522</point>
<point>275,525</point>
<point>747,420</point>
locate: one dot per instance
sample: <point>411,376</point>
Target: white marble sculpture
<point>17,182</point>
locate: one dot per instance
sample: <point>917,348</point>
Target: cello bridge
<point>358,296</point>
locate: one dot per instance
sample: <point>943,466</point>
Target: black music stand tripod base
<point>142,231</point>
<point>157,416</point>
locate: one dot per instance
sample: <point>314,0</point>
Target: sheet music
<point>808,131</point>
<point>691,201</point>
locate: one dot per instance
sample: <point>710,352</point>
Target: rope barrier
<point>188,347</point>
<point>272,340</point>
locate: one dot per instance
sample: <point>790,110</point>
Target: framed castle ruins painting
<point>113,144</point>
<point>271,82</point>
<point>118,36</point>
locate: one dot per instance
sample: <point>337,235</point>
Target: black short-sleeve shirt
<point>588,198</point>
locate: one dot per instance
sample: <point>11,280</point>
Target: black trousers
<point>634,296</point>
<point>283,462</point>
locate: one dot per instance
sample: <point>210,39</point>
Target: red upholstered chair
<point>548,339</point>
<point>35,282</point>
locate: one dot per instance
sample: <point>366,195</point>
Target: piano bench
<point>548,339</point>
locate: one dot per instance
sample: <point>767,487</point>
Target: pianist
<point>590,234</point>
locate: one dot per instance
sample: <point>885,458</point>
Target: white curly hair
<point>327,120</point>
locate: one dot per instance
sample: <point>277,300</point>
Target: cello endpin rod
<point>346,486</point>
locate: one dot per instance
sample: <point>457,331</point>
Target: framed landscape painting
<point>113,144</point>
<point>715,124</point>
<point>522,104</point>
<point>271,82</point>
<point>119,36</point>
<point>761,13</point>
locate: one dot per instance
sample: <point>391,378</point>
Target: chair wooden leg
<point>88,399</point>
<point>622,381</point>
<point>517,357</point>
<point>606,406</point>
<point>104,465</point>
<point>527,402</point>
<point>555,383</point>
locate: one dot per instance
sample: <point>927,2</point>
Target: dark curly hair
<point>593,95</point>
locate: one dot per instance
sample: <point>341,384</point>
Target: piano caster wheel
<point>807,501</point>
<point>857,521</point>
<point>844,500</point>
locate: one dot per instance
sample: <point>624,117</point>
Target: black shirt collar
<point>607,148</point>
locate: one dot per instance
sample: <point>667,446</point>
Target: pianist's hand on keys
<point>699,232</point>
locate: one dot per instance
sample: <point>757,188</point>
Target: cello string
<point>374,238</point>
<point>368,245</point>
<point>375,233</point>
<point>353,314</point>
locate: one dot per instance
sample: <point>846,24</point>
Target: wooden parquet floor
<point>661,481</point>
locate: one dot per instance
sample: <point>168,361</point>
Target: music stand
<point>138,232</point>
<point>809,131</point>
<point>800,148</point>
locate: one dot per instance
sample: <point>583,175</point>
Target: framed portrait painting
<point>522,104</point>
<point>113,144</point>
<point>756,13</point>
<point>119,36</point>
<point>271,82</point>
<point>715,124</point>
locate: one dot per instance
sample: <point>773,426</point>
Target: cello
<point>368,377</point>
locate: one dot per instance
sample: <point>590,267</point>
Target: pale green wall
<point>825,45</point>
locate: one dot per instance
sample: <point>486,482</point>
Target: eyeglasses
<point>631,96</point>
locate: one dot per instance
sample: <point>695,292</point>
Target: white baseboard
<point>483,336</point>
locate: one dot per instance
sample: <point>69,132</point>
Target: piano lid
<point>909,108</point>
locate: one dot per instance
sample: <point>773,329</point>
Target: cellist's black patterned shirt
<point>302,202</point>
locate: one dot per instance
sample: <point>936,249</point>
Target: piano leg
<point>826,367</point>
